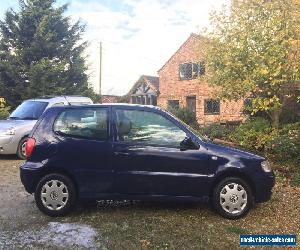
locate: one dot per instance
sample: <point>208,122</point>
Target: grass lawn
<point>137,225</point>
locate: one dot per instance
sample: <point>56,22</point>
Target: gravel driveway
<point>135,225</point>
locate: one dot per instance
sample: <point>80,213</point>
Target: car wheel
<point>232,198</point>
<point>21,152</point>
<point>55,195</point>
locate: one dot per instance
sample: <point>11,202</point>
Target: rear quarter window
<point>83,123</point>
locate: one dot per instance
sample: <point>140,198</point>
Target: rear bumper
<point>263,187</point>
<point>30,174</point>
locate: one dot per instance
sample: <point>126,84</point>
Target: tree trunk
<point>275,118</point>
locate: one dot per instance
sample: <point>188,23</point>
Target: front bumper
<point>8,145</point>
<point>263,187</point>
<point>30,174</point>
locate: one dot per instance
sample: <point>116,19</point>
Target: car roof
<point>129,105</point>
<point>55,99</point>
<point>123,105</point>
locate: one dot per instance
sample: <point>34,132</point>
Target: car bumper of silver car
<point>7,145</point>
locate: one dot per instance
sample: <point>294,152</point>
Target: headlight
<point>10,131</point>
<point>265,165</point>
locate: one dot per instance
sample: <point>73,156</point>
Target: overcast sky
<point>138,36</point>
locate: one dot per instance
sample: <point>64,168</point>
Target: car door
<point>148,159</point>
<point>84,148</point>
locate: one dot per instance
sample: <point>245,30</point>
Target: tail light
<point>30,144</point>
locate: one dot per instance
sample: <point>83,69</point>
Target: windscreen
<point>29,110</point>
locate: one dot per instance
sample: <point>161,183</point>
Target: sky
<point>138,36</point>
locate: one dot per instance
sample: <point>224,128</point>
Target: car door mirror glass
<point>188,143</point>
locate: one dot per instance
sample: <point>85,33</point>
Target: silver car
<point>15,130</point>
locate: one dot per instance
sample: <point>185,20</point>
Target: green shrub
<point>4,112</point>
<point>216,130</point>
<point>186,115</point>
<point>285,145</point>
<point>253,134</point>
<point>3,109</point>
<point>281,144</point>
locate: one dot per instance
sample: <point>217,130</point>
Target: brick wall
<point>172,88</point>
<point>109,98</point>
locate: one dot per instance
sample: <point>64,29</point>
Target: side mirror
<point>188,143</point>
<point>208,138</point>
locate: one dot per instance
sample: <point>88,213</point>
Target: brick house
<point>110,98</point>
<point>145,90</point>
<point>182,82</point>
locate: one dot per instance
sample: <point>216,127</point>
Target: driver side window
<point>147,128</point>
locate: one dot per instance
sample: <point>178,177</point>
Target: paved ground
<point>125,225</point>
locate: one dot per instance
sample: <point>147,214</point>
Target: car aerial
<point>135,152</point>
<point>15,130</point>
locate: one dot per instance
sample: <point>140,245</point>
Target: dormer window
<point>188,71</point>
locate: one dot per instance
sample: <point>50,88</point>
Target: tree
<point>4,111</point>
<point>41,53</point>
<point>254,52</point>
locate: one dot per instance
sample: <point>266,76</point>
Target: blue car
<point>122,151</point>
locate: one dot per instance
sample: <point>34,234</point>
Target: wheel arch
<point>233,173</point>
<point>22,137</point>
<point>62,172</point>
<point>18,143</point>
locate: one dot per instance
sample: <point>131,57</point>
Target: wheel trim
<point>54,195</point>
<point>233,198</point>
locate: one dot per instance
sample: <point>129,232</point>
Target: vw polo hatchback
<point>136,152</point>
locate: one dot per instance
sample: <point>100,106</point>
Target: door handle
<point>121,154</point>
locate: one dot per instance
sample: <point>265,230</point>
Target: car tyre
<point>232,198</point>
<point>55,195</point>
<point>21,149</point>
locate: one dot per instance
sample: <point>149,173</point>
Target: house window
<point>148,100</point>
<point>211,107</point>
<point>248,102</point>
<point>201,70</point>
<point>133,99</point>
<point>173,104</point>
<point>142,100</point>
<point>154,100</point>
<point>188,71</point>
